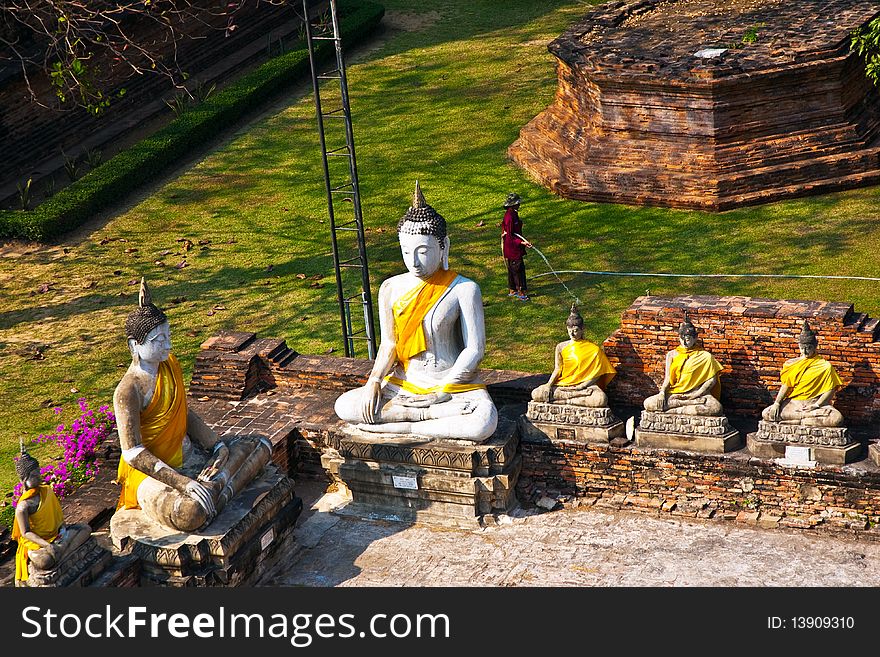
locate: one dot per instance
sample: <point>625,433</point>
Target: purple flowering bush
<point>79,444</point>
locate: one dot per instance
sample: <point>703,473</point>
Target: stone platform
<point>568,422</point>
<point>236,549</point>
<point>412,479</point>
<point>79,568</point>
<point>874,453</point>
<point>695,433</point>
<point>709,105</point>
<point>832,445</point>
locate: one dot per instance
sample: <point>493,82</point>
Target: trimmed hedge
<point>146,160</point>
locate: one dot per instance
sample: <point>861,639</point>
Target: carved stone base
<point>696,433</point>
<point>569,423</point>
<point>795,434</point>
<point>236,549</point>
<point>79,568</point>
<point>828,454</point>
<point>412,479</point>
<point>874,453</point>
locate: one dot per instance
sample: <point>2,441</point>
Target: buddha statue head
<point>808,341</point>
<point>687,333</point>
<point>424,243</point>
<point>147,329</point>
<point>575,324</point>
<point>28,469</point>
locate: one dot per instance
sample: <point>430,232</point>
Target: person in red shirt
<point>513,247</point>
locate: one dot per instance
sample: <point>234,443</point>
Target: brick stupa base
<point>706,104</point>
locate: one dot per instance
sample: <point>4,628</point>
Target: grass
<point>440,102</point>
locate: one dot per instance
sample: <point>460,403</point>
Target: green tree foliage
<point>866,42</point>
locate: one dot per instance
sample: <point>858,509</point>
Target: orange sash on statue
<point>163,427</point>
<point>410,310</point>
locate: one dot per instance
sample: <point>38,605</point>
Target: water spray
<point>552,271</point>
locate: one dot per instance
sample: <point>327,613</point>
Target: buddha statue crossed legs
<point>153,420</point>
<point>581,370</point>
<point>690,382</point>
<point>425,380</point>
<point>808,384</point>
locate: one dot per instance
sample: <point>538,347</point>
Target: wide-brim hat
<point>512,200</point>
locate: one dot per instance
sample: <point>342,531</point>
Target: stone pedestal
<point>236,549</point>
<point>568,422</point>
<point>414,479</point>
<point>831,445</point>
<point>712,434</point>
<point>79,568</point>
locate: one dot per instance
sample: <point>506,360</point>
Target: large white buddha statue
<point>425,377</point>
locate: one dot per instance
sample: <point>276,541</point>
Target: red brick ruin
<point>751,338</point>
<point>643,114</point>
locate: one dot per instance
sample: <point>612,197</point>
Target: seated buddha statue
<point>690,382</point>
<point>43,538</point>
<point>808,384</point>
<point>425,380</point>
<point>153,420</point>
<point>581,370</point>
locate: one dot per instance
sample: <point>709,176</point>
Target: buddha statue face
<point>422,254</point>
<point>156,345</point>
<point>575,330</point>
<point>808,349</point>
<point>688,339</point>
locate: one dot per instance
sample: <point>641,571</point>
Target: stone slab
<point>411,479</point>
<point>728,442</point>
<point>239,546</point>
<point>79,568</point>
<point>830,455</point>
<point>536,431</point>
<point>874,453</point>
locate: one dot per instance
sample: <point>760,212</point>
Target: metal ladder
<point>341,182</point>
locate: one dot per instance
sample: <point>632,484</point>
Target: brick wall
<point>751,338</point>
<point>727,487</point>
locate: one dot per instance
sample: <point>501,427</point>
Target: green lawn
<point>440,102</point>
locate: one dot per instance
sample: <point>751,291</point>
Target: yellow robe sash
<point>410,311</point>
<point>582,361</point>
<point>45,522</point>
<point>163,427</point>
<point>809,377</point>
<point>691,368</point>
<point>451,388</point>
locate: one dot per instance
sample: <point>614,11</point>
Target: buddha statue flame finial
<point>422,219</point>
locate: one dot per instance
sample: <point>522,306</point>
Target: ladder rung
<point>350,230</point>
<point>340,190</point>
<point>324,38</point>
<point>334,113</point>
<point>336,150</point>
<point>345,224</point>
<point>345,262</point>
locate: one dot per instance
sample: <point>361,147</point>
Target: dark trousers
<point>516,274</point>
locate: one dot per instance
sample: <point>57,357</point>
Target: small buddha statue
<point>43,540</point>
<point>808,384</point>
<point>581,370</point>
<point>690,382</point>
<point>425,378</point>
<point>153,421</point>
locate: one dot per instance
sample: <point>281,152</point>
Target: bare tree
<point>83,48</point>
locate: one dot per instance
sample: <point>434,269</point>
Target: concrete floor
<point>589,547</point>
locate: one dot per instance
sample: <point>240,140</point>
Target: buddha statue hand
<point>370,400</point>
<point>221,456</point>
<point>200,494</point>
<point>424,401</point>
<point>774,412</point>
